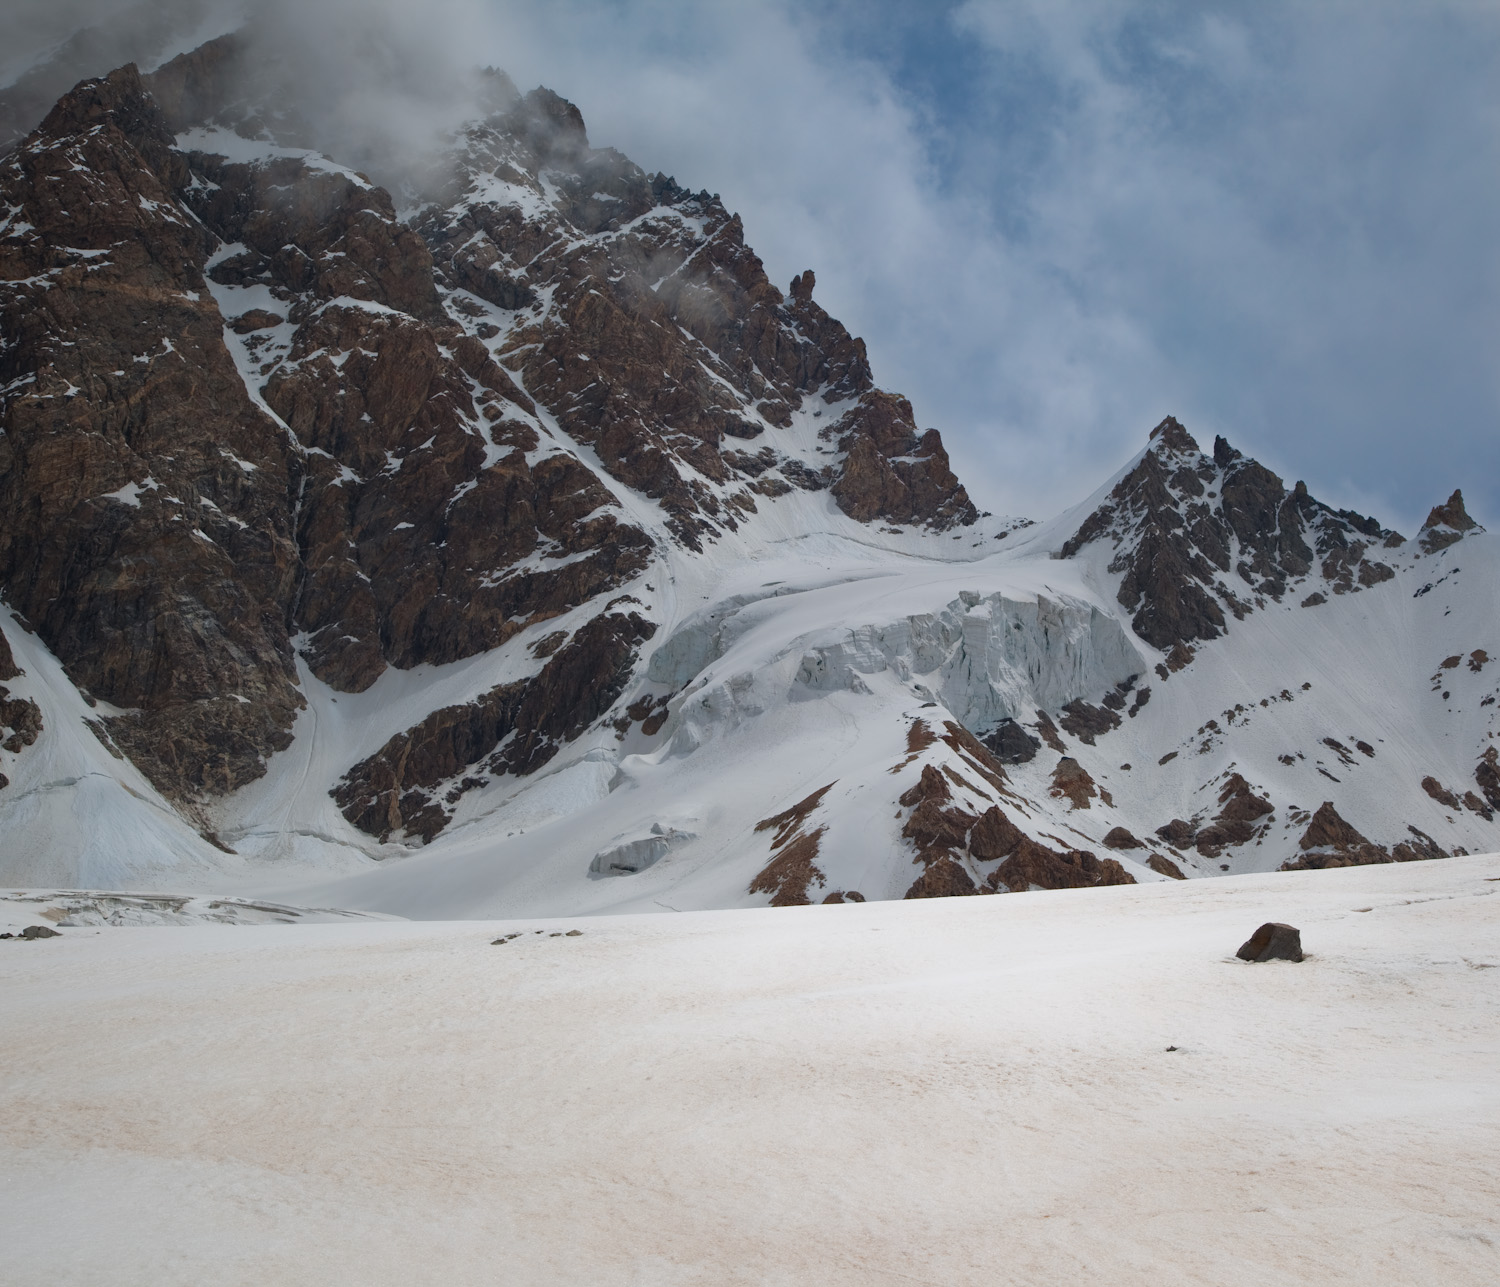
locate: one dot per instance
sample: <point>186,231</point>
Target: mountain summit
<point>509,541</point>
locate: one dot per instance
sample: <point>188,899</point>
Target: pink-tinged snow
<point>954,1091</point>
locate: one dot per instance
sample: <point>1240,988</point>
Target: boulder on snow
<point>39,931</point>
<point>1121,838</point>
<point>1164,866</point>
<point>1011,743</point>
<point>1273,941</point>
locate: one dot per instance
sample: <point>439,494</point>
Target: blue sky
<point>1054,223</point>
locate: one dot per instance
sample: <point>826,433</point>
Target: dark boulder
<point>1011,743</point>
<point>1273,941</point>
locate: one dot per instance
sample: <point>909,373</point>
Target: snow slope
<point>807,686</point>
<point>1071,1087</point>
<point>796,654</point>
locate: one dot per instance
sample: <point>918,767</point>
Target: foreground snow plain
<point>949,1091</point>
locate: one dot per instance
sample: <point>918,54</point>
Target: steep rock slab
<point>149,540</point>
<point>515,728</point>
<point>20,717</point>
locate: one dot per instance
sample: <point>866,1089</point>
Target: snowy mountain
<point>504,542</point>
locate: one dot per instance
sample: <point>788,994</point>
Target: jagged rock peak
<point>333,432</point>
<point>552,126</point>
<point>1197,539</point>
<point>1170,435</point>
<point>1446,524</point>
<point>1452,514</point>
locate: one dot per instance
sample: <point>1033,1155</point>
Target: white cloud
<point>1273,220</point>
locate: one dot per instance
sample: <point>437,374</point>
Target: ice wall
<point>986,657</point>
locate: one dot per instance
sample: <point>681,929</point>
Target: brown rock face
<point>1071,780</point>
<point>1048,730</point>
<point>20,717</point>
<point>1446,524</point>
<point>1086,722</point>
<point>953,844</point>
<point>8,667</point>
<point>175,533</point>
<point>1487,777</point>
<point>1328,830</point>
<point>793,869</point>
<point>150,537</point>
<point>1330,841</point>
<point>1175,519</point>
<point>1441,794</point>
<point>515,728</point>
<point>1041,868</point>
<point>943,878</point>
<point>20,721</point>
<point>891,472</point>
<point>1179,833</point>
<point>662,336</point>
<point>1235,823</point>
<point>356,465</point>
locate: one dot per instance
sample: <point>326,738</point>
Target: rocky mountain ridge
<point>380,484</point>
<point>519,508</point>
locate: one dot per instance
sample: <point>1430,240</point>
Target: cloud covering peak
<point>1053,223</point>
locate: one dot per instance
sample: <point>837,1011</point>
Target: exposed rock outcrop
<point>1487,776</point>
<point>1446,524</point>
<point>150,540</point>
<point>1177,518</point>
<point>514,728</point>
<point>793,869</point>
<point>1086,722</point>
<point>1011,743</point>
<point>1330,841</point>
<point>662,337</point>
<point>1072,781</point>
<point>1236,823</point>
<point>20,717</point>
<point>955,845</point>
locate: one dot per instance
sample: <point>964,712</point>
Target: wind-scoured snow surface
<point>956,1091</point>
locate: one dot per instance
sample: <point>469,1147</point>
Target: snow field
<point>956,1091</point>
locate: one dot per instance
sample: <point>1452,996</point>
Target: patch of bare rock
<point>964,852</point>
<point>792,871</point>
<point>1331,841</point>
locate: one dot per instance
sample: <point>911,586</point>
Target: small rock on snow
<point>1273,941</point>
